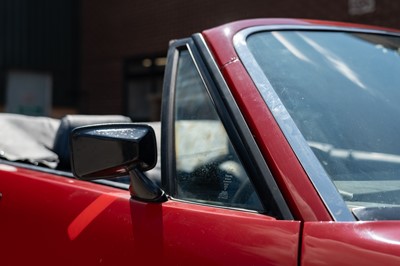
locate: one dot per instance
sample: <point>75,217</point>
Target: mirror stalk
<point>143,189</point>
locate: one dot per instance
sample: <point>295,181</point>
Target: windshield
<point>342,90</point>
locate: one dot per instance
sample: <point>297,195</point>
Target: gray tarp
<point>26,138</point>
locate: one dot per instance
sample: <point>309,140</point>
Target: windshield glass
<point>342,90</point>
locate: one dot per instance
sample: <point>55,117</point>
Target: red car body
<point>47,218</point>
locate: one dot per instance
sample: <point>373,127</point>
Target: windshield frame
<point>322,182</point>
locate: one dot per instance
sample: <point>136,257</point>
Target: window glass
<point>207,166</point>
<point>342,91</point>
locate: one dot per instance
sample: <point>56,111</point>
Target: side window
<point>207,167</point>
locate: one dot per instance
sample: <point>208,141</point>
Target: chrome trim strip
<point>317,174</point>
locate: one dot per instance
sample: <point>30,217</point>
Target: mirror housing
<point>113,150</point>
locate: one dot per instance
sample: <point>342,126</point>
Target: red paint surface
<point>51,220</point>
<point>358,243</point>
<point>89,214</point>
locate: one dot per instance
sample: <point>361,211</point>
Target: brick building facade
<point>113,33</point>
<point>98,56</point>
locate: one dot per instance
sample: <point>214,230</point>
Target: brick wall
<point>115,30</point>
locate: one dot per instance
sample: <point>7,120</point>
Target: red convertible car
<point>278,145</point>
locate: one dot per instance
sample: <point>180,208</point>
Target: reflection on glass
<point>343,91</point>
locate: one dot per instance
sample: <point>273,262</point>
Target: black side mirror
<point>112,150</point>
